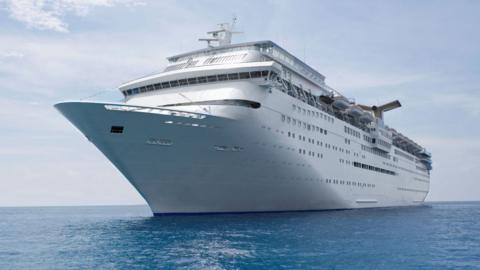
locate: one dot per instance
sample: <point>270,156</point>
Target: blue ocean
<point>434,236</point>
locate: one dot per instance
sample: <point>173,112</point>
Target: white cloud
<point>73,66</point>
<point>48,14</point>
<point>469,102</point>
<point>10,55</point>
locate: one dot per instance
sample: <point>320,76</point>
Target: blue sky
<point>424,53</point>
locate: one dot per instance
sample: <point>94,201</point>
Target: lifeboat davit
<point>355,111</point>
<point>340,103</point>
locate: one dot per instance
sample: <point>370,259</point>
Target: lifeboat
<point>366,117</point>
<point>355,111</point>
<point>427,162</point>
<point>340,103</point>
<point>326,99</point>
<point>424,153</point>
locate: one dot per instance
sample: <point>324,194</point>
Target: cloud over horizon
<point>49,14</point>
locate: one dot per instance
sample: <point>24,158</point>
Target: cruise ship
<point>248,127</point>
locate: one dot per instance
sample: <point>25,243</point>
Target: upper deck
<point>264,62</point>
<point>259,51</point>
<point>230,56</point>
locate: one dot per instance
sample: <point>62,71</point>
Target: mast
<point>222,36</point>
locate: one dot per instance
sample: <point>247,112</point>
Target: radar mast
<point>222,36</point>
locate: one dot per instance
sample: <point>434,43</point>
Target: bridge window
<point>244,75</point>
<point>196,80</point>
<point>222,77</point>
<point>233,76</point>
<point>212,78</point>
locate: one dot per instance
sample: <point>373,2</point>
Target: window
<point>255,74</point>
<point>222,77</point>
<point>116,129</point>
<point>182,82</point>
<point>212,78</point>
<point>372,168</point>
<point>244,75</point>
<point>233,76</point>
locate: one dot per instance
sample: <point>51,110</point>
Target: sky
<point>424,53</point>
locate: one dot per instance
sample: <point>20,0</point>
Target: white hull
<point>258,167</point>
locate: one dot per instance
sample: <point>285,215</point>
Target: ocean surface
<point>434,236</point>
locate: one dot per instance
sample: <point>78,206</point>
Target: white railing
<point>130,108</point>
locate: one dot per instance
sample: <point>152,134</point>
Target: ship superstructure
<point>249,127</point>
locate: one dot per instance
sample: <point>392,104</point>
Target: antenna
<point>222,36</point>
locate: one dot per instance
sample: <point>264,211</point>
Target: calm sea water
<point>436,236</point>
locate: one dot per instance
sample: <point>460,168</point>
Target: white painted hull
<point>266,172</point>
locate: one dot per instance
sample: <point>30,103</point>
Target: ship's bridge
<point>243,53</point>
<point>233,58</point>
